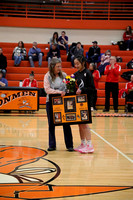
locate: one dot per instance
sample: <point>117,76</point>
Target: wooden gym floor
<point>27,171</point>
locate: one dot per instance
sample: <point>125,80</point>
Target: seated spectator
<point>54,39</point>
<point>130,64</point>
<point>30,82</point>
<point>96,78</point>
<point>105,59</point>
<point>129,89</point>
<point>94,53</point>
<point>19,53</point>
<point>128,38</point>
<point>54,52</point>
<point>3,63</point>
<point>35,54</point>
<point>76,51</point>
<point>63,42</point>
<point>3,81</point>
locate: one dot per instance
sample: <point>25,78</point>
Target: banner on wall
<point>72,109</point>
<point>19,98</point>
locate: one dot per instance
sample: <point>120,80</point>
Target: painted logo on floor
<point>21,177</point>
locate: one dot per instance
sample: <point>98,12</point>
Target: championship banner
<point>19,98</point>
<point>72,109</point>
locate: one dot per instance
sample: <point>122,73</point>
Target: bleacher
<point>15,74</point>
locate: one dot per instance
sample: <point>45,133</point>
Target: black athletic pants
<point>111,87</point>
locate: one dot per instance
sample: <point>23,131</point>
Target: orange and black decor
<point>20,167</point>
<point>17,98</point>
<point>72,109</point>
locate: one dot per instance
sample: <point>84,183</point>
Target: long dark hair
<point>108,51</point>
<point>94,66</point>
<point>55,33</point>
<point>21,43</point>
<point>32,74</point>
<point>82,60</point>
<point>130,30</point>
<point>53,63</point>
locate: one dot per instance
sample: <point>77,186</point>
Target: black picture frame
<point>64,113</point>
<point>81,98</point>
<point>84,115</point>
<point>71,117</point>
<point>57,117</point>
<point>57,101</point>
<point>70,104</point>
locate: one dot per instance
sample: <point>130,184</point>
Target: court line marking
<point>95,134</point>
<point>112,146</point>
<point>73,128</point>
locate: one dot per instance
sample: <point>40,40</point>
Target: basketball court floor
<point>28,171</point>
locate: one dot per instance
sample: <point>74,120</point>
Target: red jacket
<point>26,83</point>
<point>96,77</point>
<point>127,37</point>
<point>129,85</point>
<point>113,73</point>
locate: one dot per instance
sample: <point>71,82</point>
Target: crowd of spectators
<point>107,63</point>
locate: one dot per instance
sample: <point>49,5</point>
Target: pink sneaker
<point>87,149</point>
<point>79,147</point>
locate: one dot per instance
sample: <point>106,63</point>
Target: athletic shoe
<point>51,149</point>
<point>87,149</point>
<point>79,147</point>
<point>94,108</point>
<point>70,149</point>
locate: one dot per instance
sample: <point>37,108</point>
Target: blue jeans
<point>94,58</point>
<point>62,48</point>
<point>72,60</point>
<point>129,44</point>
<point>66,128</point>
<point>17,60</point>
<point>35,58</point>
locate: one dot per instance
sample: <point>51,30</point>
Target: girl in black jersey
<point>85,86</point>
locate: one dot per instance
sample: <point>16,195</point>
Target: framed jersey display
<point>72,109</point>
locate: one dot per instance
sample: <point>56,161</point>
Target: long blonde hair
<point>53,63</point>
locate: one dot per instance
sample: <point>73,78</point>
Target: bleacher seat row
<point>15,74</point>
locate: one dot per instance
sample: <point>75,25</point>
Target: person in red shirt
<point>128,38</point>
<point>129,89</point>
<point>96,78</point>
<point>112,71</point>
<point>30,82</point>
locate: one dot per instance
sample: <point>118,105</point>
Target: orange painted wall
<point>66,24</point>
